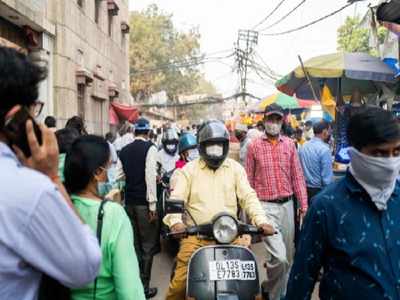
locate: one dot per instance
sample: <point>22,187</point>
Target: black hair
<point>319,127</point>
<point>109,137</point>
<point>260,124</point>
<point>87,154</point>
<point>19,80</point>
<point>142,132</point>
<point>308,124</point>
<point>65,138</point>
<point>299,131</point>
<point>76,123</point>
<point>372,126</point>
<point>50,122</point>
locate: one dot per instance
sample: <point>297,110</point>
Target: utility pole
<point>247,39</point>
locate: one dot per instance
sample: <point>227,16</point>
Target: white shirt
<point>124,140</point>
<point>167,161</point>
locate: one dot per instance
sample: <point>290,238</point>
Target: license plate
<point>233,269</point>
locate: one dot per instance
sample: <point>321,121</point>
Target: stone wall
<point>82,45</point>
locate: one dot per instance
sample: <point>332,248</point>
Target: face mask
<point>111,175</point>
<point>273,128</point>
<point>193,154</point>
<point>103,188</point>
<point>215,150</point>
<point>377,175</point>
<point>171,148</point>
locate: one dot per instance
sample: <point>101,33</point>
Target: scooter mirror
<point>174,206</point>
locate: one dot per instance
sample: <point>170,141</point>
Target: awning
<point>119,112</point>
<point>306,103</point>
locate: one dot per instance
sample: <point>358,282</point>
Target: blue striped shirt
<point>316,160</point>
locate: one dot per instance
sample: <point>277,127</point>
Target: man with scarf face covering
<point>352,228</point>
<point>210,185</point>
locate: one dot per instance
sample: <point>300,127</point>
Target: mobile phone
<point>15,130</point>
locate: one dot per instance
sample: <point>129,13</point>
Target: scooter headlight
<point>225,229</point>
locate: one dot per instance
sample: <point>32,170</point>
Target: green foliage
<point>352,38</point>
<point>162,57</point>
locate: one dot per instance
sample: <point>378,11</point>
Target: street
<point>163,264</point>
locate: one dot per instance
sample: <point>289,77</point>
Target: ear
<point>97,174</point>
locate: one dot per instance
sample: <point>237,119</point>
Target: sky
<point>220,20</point>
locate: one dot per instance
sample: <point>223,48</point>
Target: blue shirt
<point>39,233</point>
<point>357,246</point>
<point>316,160</point>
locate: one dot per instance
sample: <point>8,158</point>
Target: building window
<point>110,24</point>
<point>81,101</point>
<point>123,41</point>
<point>112,12</point>
<point>80,3</point>
<point>97,4</point>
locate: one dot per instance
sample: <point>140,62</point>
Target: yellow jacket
<point>207,193</point>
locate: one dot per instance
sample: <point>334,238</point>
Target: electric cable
<point>309,24</point>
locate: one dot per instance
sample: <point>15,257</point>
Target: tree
<point>353,38</point>
<point>161,57</point>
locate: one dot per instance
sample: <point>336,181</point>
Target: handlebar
<point>207,230</point>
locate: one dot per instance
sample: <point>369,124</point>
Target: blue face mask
<point>103,188</point>
<point>112,175</point>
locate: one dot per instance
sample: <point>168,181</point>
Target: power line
<point>270,14</point>
<point>309,24</point>
<point>200,101</point>
<point>187,61</point>
<point>270,70</point>
<point>285,16</point>
<point>183,64</point>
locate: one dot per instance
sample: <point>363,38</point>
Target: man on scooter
<point>210,185</point>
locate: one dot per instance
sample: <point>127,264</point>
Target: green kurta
<point>118,278</point>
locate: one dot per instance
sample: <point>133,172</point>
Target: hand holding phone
<point>15,129</point>
<point>44,156</point>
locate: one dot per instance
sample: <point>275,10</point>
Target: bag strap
<point>100,216</point>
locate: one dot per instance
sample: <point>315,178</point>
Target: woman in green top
<point>86,166</point>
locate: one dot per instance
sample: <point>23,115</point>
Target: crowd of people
<point>61,235</point>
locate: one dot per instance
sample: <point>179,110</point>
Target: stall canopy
<point>119,112</point>
<point>355,70</point>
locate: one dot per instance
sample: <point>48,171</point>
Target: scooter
<point>221,271</point>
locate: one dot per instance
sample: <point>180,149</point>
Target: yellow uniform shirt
<point>207,193</point>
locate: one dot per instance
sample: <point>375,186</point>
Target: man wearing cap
<point>139,162</point>
<point>274,171</point>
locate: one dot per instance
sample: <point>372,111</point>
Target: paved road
<point>163,264</point>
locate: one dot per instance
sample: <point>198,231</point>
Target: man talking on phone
<point>39,230</point>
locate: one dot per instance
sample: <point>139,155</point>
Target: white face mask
<point>193,154</point>
<point>171,147</point>
<point>377,175</point>
<point>273,129</point>
<point>215,150</point>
